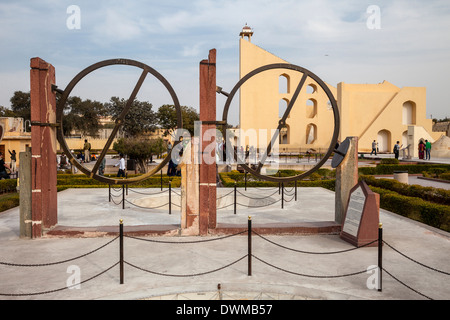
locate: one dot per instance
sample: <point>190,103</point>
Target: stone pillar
<point>190,190</point>
<point>43,146</point>
<point>25,193</point>
<point>346,179</point>
<point>207,165</point>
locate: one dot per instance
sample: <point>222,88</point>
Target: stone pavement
<point>187,267</point>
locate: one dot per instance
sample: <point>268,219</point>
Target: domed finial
<point>246,32</point>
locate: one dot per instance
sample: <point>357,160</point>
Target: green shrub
<point>435,215</point>
<point>8,185</point>
<point>412,169</point>
<point>389,161</point>
<point>445,176</point>
<point>436,195</point>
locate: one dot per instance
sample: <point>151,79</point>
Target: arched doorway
<point>384,141</point>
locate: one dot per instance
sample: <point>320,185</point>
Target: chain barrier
<point>186,275</point>
<point>415,261</point>
<point>310,252</point>
<point>249,256</point>
<point>59,262</point>
<point>313,276</point>
<point>186,242</point>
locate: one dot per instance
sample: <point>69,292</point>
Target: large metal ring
<point>60,114</point>
<point>306,73</point>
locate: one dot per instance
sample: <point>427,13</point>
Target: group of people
<point>424,149</point>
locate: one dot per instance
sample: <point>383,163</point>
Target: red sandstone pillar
<point>43,146</point>
<point>207,170</point>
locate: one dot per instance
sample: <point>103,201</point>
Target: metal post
<point>123,196</point>
<point>279,183</point>
<point>161,181</point>
<point>235,196</point>
<point>282,195</point>
<point>170,197</point>
<point>121,250</point>
<point>295,185</point>
<point>380,256</point>
<point>109,189</point>
<point>245,175</point>
<point>249,245</point>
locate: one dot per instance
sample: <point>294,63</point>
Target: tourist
<point>13,160</point>
<point>427,150</point>
<point>421,149</point>
<point>3,167</point>
<point>87,151</point>
<point>397,149</point>
<point>374,147</point>
<point>121,164</point>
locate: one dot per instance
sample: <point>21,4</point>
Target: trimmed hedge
<point>8,185</point>
<point>229,179</point>
<point>436,195</point>
<point>412,169</point>
<point>82,181</point>
<point>432,214</point>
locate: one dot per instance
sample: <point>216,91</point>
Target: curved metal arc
<point>306,73</point>
<point>68,90</point>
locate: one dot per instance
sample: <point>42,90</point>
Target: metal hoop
<point>306,73</point>
<point>59,116</point>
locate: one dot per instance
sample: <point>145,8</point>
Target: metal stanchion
<point>123,196</point>
<point>170,197</point>
<point>245,179</point>
<point>161,181</point>
<point>249,245</point>
<point>380,256</point>
<point>295,185</point>
<point>235,196</point>
<point>121,250</point>
<point>109,189</point>
<point>282,195</point>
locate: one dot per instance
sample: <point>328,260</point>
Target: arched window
<point>409,113</point>
<point>283,83</point>
<point>311,88</point>
<point>282,107</point>
<point>284,135</point>
<point>311,133</point>
<point>405,138</point>
<point>311,108</point>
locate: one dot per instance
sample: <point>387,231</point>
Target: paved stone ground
<point>169,268</point>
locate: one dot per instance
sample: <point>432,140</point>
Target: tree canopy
<point>138,120</point>
<point>167,118</point>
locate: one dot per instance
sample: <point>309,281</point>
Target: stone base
<point>322,227</point>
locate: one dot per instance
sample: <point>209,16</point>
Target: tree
<point>138,120</point>
<point>167,118</point>
<point>21,104</point>
<point>139,149</point>
<point>5,112</point>
<point>82,116</point>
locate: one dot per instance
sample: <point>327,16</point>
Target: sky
<point>405,42</point>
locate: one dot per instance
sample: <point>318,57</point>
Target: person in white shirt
<point>121,165</point>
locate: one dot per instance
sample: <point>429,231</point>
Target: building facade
<point>382,112</point>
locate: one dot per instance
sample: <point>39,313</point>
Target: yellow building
<point>381,112</point>
<point>13,136</point>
